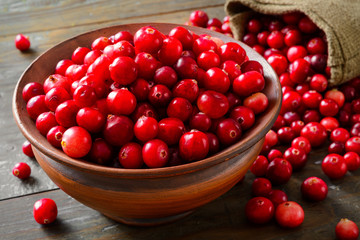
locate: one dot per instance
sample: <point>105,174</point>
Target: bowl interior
<point>45,64</point>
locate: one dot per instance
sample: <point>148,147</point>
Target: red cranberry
<point>45,121</point>
<point>179,108</point>
<point>100,68</point>
<point>200,122</point>
<point>228,131</point>
<point>203,44</point>
<point>299,70</point>
<point>65,113</point>
<point>166,76</point>
<point>183,35</point>
<point>259,210</point>
<point>334,166</point>
<point>76,142</point>
<point>31,90</point>
<point>213,104</point>
<point>315,133</point>
<point>123,70</point>
<point>261,187</point>
<point>311,116</point>
<point>346,229</point>
<point>217,80</point>
<point>130,156</point>
<point>277,197</point>
<point>352,160</point>
<point>257,102</point>
<point>291,101</point>
<point>248,83</point>
<point>148,39</point>
<point>21,170</point>
<point>285,134</point>
<point>90,57</point>
<point>118,130</point>
<point>279,171</point>
<point>328,107</point>
<point>339,135</point>
<point>55,96</point>
<point>318,82</point>
<point>208,59</point>
<point>296,52</point>
<point>312,99</point>
<point>36,105</point>
<point>292,37</point>
<point>146,128</point>
<point>297,126</point>
<point>259,166</point>
<point>314,189</point>
<point>278,63</point>
<point>289,214</point>
<point>244,116</point>
<point>329,123</point>
<point>170,130</point>
<point>214,144</point>
<point>307,26</point>
<point>232,51</point>
<point>186,88</point>
<point>296,157</point>
<point>121,102</point>
<point>199,18</point>
<point>159,95</point>
<point>186,68</point>
<point>275,39</point>
<point>22,42</point>
<point>316,46</point>
<point>193,146</point>
<point>100,152</point>
<point>45,211</point>
<point>54,136</point>
<point>90,119</point>
<point>274,153</point>
<point>353,145</point>
<point>336,147</point>
<point>146,65</point>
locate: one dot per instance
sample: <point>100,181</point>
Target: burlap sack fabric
<point>339,19</point>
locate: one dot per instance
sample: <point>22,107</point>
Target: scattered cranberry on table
<point>21,170</point>
<point>22,42</point>
<point>45,211</point>
<point>346,230</point>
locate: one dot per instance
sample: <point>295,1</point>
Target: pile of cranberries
<point>312,113</point>
<point>148,100</point>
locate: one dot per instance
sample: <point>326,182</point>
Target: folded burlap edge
<point>343,68</point>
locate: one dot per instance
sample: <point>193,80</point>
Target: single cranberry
<point>311,116</point>
<point>101,152</point>
<point>299,70</point>
<point>259,166</point>
<point>271,51</point>
<point>250,39</point>
<point>45,211</point>
<point>339,135</point>
<point>279,123</point>
<point>262,37</point>
<point>31,90</point>
<point>79,54</point>
<point>312,99</point>
<point>259,210</point>
<point>144,109</point>
<point>271,138</point>
<point>27,150</point>
<point>274,153</point>
<point>225,28</point>
<point>186,88</point>
<point>66,112</point>
<point>155,153</point>
<point>36,105</point>
<point>54,136</point>
<point>254,25</point>
<point>286,134</point>
<point>307,26</point>
<point>330,123</point>
<point>199,18</point>
<point>146,128</point>
<point>318,82</point>
<point>277,197</point>
<point>45,121</point>
<point>296,52</point>
<point>292,37</point>
<point>89,58</point>
<point>353,145</point>
<point>123,70</point>
<point>121,48</point>
<point>193,146</point>
<point>315,133</point>
<point>297,126</point>
<point>203,44</point>
<point>140,88</point>
<point>130,156</point>
<point>55,96</point>
<point>76,72</point>
<point>170,130</point>
<point>316,46</point>
<point>289,214</point>
<point>244,116</point>
<point>213,104</point>
<point>355,130</point>
<point>200,122</point>
<point>22,42</point>
<point>76,142</point>
<point>118,130</point>
<point>352,160</point>
<point>208,59</point>
<point>279,171</point>
<point>314,189</point>
<point>123,35</point>
<point>228,131</point>
<point>328,107</point>
<point>291,101</point>
<point>21,170</point>
<point>84,96</point>
<point>180,108</point>
<point>248,83</point>
<point>186,68</point>
<point>297,157</point>
<point>183,35</point>
<point>348,92</point>
<point>261,187</point>
<point>92,81</point>
<point>232,51</point>
<point>334,166</point>
<point>146,65</point>
<point>278,63</point>
<point>232,69</point>
<point>166,76</point>
<point>275,39</point>
<point>148,39</point>
<point>100,68</point>
<point>100,43</point>
<point>336,147</point>
<point>346,229</point>
<point>257,102</point>
<point>90,119</point>
<point>121,102</point>
<point>159,95</point>
<point>214,22</point>
<point>355,106</point>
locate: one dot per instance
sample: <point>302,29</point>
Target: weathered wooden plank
<point>12,64</point>
<point>39,15</point>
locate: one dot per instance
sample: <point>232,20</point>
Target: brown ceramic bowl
<point>143,196</point>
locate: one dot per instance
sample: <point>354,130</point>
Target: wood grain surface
<point>48,22</point>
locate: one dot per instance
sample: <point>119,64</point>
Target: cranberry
<point>76,142</point>
<point>121,102</point>
<point>262,37</point>
<point>130,156</point>
<point>123,35</point>
<point>292,37</point>
<point>144,109</point>
<point>286,134</point>
<point>200,122</point>
<point>296,157</point>
<point>183,35</point>
<point>140,88</point>
<point>45,211</point>
<point>159,95</point>
<point>54,136</point>
<point>328,107</point>
<point>208,59</point>
<point>336,147</point>
<point>123,70</point>
<point>155,153</point>
<point>100,68</point>
<point>306,25</point>
<point>100,43</point>
<point>278,63</point>
<point>146,65</point>
<point>203,44</point>
<point>22,42</point>
<point>261,187</point>
<point>299,70</point>
<point>186,88</point>
<point>21,170</point>
<point>66,112</point>
<point>275,39</point>
<point>214,22</point>
<point>296,52</point>
<point>291,101</point>
<point>311,116</point>
<point>232,51</point>
<point>353,145</point>
<point>271,138</point>
<point>250,39</point>
<point>274,153</point>
<point>312,99</point>
<point>31,90</point>
<point>289,214</point>
<point>334,166</point>
<point>279,171</point>
<point>297,126</point>
<point>89,58</point>
<point>199,18</point>
<point>315,133</point>
<point>179,108</point>
<point>302,143</point>
<point>244,116</point>
<point>339,135</point>
<point>90,119</point>
<point>346,229</point>
<point>100,152</point>
<point>170,130</point>
<point>146,128</point>
<point>118,130</point>
<point>316,46</point>
<point>166,76</point>
<point>352,160</point>
<point>314,189</point>
<point>193,146</point>
<point>79,55</point>
<point>259,166</point>
<point>36,105</point>
<point>121,48</point>
<point>355,106</point>
<point>45,121</point>
<point>228,131</point>
<point>257,102</point>
<point>148,39</point>
<point>92,81</point>
<point>248,83</point>
<point>318,82</point>
<point>277,197</point>
<point>217,80</point>
<point>186,68</point>
<point>329,123</point>
<point>259,210</point>
<point>213,104</point>
<point>55,96</point>
<point>76,72</point>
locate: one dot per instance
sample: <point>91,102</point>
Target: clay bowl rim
<point>247,141</point>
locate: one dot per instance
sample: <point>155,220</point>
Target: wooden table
<point>49,22</point>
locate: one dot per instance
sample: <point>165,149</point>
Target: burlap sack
<point>339,19</point>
